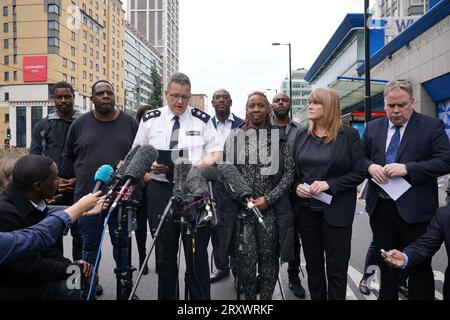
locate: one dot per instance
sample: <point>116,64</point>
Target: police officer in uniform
<point>177,126</point>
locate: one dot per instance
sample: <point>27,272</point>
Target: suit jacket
<point>430,242</point>
<point>236,123</point>
<point>425,149</point>
<point>26,277</point>
<point>343,174</point>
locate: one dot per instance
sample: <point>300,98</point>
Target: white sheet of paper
<point>395,187</point>
<point>322,196</point>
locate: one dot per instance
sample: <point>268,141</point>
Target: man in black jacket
<point>39,275</point>
<point>48,137</point>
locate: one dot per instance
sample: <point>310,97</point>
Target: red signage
<point>35,69</point>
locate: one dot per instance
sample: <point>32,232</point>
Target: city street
<point>224,289</point>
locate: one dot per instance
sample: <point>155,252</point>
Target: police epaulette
<point>151,114</point>
<point>201,115</point>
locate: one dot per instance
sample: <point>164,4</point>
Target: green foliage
<point>156,100</point>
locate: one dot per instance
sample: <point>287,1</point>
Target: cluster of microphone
<point>128,172</point>
<point>191,184</point>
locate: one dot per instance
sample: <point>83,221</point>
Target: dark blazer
<point>343,174</point>
<point>425,149</point>
<point>430,242</point>
<point>26,277</point>
<point>236,123</point>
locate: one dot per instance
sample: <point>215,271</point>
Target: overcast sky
<point>227,43</point>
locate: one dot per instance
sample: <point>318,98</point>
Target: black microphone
<point>182,166</point>
<point>123,164</point>
<point>138,167</point>
<point>238,188</point>
<point>210,174</point>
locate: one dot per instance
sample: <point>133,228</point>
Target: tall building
<point>140,58</point>
<point>157,21</point>
<point>199,101</point>
<point>46,41</point>
<point>300,92</point>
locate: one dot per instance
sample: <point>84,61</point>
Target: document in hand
<point>324,197</point>
<point>395,187</point>
<point>168,157</point>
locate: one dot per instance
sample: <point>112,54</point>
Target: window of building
<point>6,60</point>
<point>84,87</point>
<point>53,42</point>
<point>15,59</point>
<point>14,43</point>
<point>91,77</point>
<point>36,115</point>
<point>53,25</point>
<point>97,42</point>
<point>14,26</point>
<point>21,127</point>
<point>84,61</point>
<point>84,75</point>
<point>6,96</point>
<point>72,36</point>
<point>91,52</point>
<point>5,27</point>
<point>6,43</point>
<point>53,8</point>
<point>91,64</point>
<point>84,34</point>
<point>72,81</point>
<point>84,47</point>
<point>6,76</point>
<point>5,11</point>
<point>73,66</point>
<point>15,75</point>
<point>97,55</point>
<point>64,77</point>
<point>96,67</point>
<point>64,62</point>
<point>6,118</point>
<point>73,51</point>
<point>91,39</point>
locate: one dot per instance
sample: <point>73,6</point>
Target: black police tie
<point>175,133</point>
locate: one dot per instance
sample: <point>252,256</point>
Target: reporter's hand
<point>260,203</point>
<point>159,168</point>
<point>86,267</point>
<point>102,203</point>
<point>303,191</point>
<point>83,205</point>
<point>377,173</point>
<point>395,260</point>
<point>318,186</point>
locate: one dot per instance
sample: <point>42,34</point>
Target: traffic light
<point>8,134</point>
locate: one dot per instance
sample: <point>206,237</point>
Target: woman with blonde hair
<point>328,158</point>
<point>6,167</point>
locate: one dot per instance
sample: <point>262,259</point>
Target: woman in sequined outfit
<point>270,182</point>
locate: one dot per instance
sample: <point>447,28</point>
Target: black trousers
<point>327,251</point>
<point>158,194</point>
<point>390,231</point>
<point>294,266</point>
<point>141,231</point>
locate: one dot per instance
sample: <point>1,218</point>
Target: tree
<point>156,95</point>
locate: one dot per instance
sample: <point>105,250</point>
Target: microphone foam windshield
<point>197,184</point>
<point>141,162</point>
<point>209,173</point>
<point>180,173</point>
<point>120,172</point>
<point>104,174</point>
<point>235,183</point>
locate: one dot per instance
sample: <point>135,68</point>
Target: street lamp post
<point>290,71</point>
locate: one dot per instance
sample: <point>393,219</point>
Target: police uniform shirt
<point>224,129</point>
<point>197,133</point>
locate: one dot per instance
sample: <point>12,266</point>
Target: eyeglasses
<point>281,100</point>
<point>178,96</point>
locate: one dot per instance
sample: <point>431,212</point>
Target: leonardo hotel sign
<point>34,68</point>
